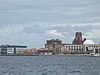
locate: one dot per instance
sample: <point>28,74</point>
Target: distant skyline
<point>32,22</point>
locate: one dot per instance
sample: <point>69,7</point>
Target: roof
<point>13,46</point>
<point>88,42</point>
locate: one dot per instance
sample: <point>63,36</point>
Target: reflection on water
<point>49,65</point>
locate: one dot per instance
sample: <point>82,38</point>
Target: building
<point>29,51</point>
<point>60,48</point>
<point>51,43</point>
<point>89,47</point>
<point>78,39</point>
<point>45,51</point>
<point>70,48</point>
<point>57,46</point>
<point>78,46</point>
<point>11,49</point>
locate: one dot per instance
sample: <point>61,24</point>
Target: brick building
<point>78,39</point>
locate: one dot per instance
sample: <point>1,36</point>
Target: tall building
<point>78,39</point>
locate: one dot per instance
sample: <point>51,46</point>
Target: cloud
<point>31,22</point>
<point>49,12</point>
<point>9,30</point>
<point>36,35</point>
<point>88,31</point>
<point>93,34</point>
<point>34,29</point>
<point>54,32</point>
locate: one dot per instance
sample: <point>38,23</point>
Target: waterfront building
<point>89,47</point>
<point>45,51</point>
<point>51,43</point>
<point>78,46</point>
<point>70,48</point>
<point>57,46</point>
<point>29,51</point>
<point>11,49</point>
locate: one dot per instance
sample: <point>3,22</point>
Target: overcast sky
<point>32,22</point>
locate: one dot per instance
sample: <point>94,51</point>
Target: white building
<point>10,50</point>
<point>74,48</point>
<point>89,46</point>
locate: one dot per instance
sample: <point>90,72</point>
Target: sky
<point>32,22</point>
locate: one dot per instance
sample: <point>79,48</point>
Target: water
<point>49,65</point>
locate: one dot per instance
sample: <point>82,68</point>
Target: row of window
<point>74,46</point>
<point>75,49</point>
<point>94,46</point>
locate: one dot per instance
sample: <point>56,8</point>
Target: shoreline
<point>17,55</point>
<point>46,55</point>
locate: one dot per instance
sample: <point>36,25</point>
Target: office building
<point>11,49</point>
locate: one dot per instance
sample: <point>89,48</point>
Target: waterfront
<point>49,65</point>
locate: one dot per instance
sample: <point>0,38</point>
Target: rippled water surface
<point>49,65</point>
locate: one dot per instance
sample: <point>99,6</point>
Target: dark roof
<point>17,46</point>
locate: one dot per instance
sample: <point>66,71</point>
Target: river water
<point>49,65</point>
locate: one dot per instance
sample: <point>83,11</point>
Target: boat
<point>94,53</point>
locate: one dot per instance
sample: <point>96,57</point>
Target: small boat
<point>94,53</point>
